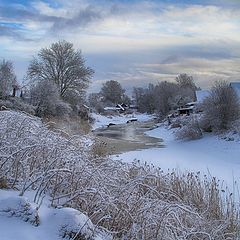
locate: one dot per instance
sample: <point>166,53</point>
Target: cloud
<point>42,16</point>
<point>149,21</point>
<point>81,19</point>
<point>135,42</point>
<point>9,32</point>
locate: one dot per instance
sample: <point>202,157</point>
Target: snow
<point>54,223</point>
<point>103,121</point>
<point>20,218</point>
<point>19,207</point>
<point>209,155</point>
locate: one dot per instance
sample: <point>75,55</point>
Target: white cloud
<point>45,9</point>
<point>132,28</point>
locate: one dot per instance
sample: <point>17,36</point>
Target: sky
<point>132,41</point>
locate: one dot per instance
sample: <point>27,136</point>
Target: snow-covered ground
<point>54,223</point>
<point>103,121</point>
<point>209,155</point>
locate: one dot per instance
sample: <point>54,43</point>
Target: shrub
<point>74,225</point>
<point>99,149</point>
<point>190,131</point>
<point>3,183</point>
<point>18,104</point>
<point>221,108</point>
<point>46,99</point>
<point>62,109</point>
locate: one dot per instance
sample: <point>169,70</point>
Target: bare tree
<point>185,80</point>
<point>221,108</point>
<point>112,92</point>
<point>145,98</point>
<point>7,78</point>
<point>64,66</point>
<point>95,101</point>
<point>166,95</point>
<point>187,85</point>
<point>138,95</point>
<point>160,98</point>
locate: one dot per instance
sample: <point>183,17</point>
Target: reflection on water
<point>129,136</point>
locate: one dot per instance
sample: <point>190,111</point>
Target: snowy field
<point>209,155</point>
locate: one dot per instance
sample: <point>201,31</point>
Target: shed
<point>185,110</point>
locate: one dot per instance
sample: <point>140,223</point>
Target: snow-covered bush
<point>191,131</point>
<point>74,224</point>
<point>45,97</point>
<point>221,108</point>
<point>17,104</point>
<point>99,149</point>
<point>19,207</point>
<point>3,182</point>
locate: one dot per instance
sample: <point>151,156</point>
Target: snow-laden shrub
<point>99,149</point>
<point>45,97</point>
<point>180,121</point>
<point>3,182</point>
<point>205,124</point>
<point>34,157</point>
<point>191,131</point>
<point>19,207</point>
<point>62,109</point>
<point>17,104</point>
<point>74,224</point>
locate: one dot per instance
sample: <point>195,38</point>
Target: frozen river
<point>210,155</point>
<point>127,137</point>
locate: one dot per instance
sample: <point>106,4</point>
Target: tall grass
<point>130,201</point>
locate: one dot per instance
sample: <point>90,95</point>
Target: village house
<point>118,108</point>
<point>236,87</point>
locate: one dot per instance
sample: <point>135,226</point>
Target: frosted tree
<point>112,92</point>
<point>64,66</point>
<point>187,86</point>
<point>7,78</point>
<point>221,108</point>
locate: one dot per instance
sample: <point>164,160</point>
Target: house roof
<point>190,103</point>
<point>111,108</point>
<point>235,84</point>
<point>120,107</point>
<point>236,87</point>
<point>185,108</point>
<point>201,95</point>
